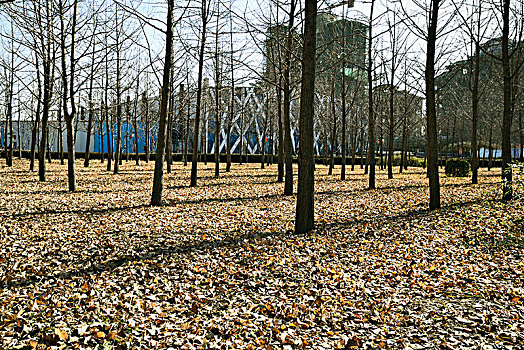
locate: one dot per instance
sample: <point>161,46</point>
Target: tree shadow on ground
<point>152,249</point>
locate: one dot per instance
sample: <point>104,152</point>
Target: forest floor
<point>218,265</point>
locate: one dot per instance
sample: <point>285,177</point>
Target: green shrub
<point>457,167</point>
<point>412,161</point>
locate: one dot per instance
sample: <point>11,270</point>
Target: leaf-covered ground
<point>219,267</point>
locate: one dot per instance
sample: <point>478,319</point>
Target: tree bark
<point>432,146</point>
<point>371,116</point>
<point>232,107</point>
<point>507,183</point>
<point>169,141</point>
<point>288,182</point>
<point>89,122</point>
<point>156,195</point>
<point>305,215</point>
<point>182,120</point>
<point>36,125</point>
<point>521,137</point>
<point>391,126</point>
<point>68,89</point>
<point>118,145</point>
<point>344,122</point>
<point>101,131</point>
<point>135,120</point>
<point>280,165</point>
<point>333,131</point>
<point>474,116</point>
<point>194,159</point>
<point>147,127</point>
<point>404,143</point>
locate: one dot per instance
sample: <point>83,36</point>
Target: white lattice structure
<point>251,120</point>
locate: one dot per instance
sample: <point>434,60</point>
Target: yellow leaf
<point>100,334</point>
<point>33,343</point>
<point>184,326</point>
<point>61,334</point>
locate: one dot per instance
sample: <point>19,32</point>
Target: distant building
<point>341,49</point>
<point>454,98</point>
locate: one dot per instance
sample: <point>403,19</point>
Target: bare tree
<point>305,215</point>
<point>288,182</point>
<point>156,196</point>
<point>204,16</point>
<point>371,114</point>
<point>507,177</point>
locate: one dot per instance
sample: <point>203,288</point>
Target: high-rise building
<point>341,48</point>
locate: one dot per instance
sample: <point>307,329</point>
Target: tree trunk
<point>305,215</point>
<point>48,146</point>
<point>391,124</point>
<point>231,109</point>
<point>280,165</point>
<point>101,131</point>
<point>271,152</point>
<point>404,144</point>
<point>9,161</point>
<point>18,132</point>
<point>217,99</point>
<point>169,142</point>
<point>203,131</point>
<point>521,137</point>
<point>288,184</point>
<point>432,146</point>
<point>199,95</point>
<point>263,136</point>
<point>361,139</point>
<point>241,144</point>
<point>135,120</point>
<point>68,89</point>
<point>381,143</point>
<point>60,135</point>
<point>474,115</point>
<point>147,127</point>
<point>156,195</point>
<point>187,128</point>
<point>89,129</point>
<point>6,131</point>
<point>182,120</point>
<point>333,131</point>
<point>507,185</point>
<point>118,145</point>
<point>217,125</point>
<point>371,116</point>
<point>128,114</point>
<point>109,131</point>
<point>71,155</point>
<point>344,121</point>
<point>34,132</point>
<point>354,142</point>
